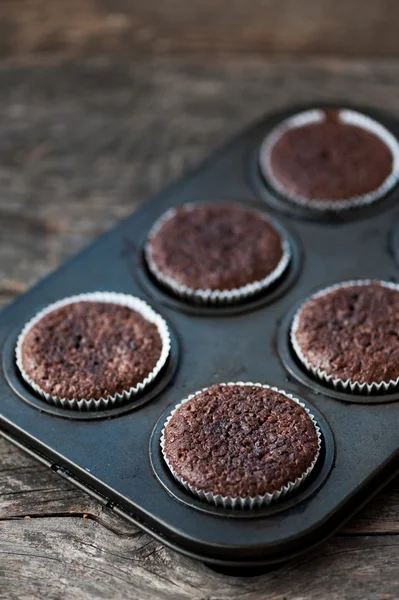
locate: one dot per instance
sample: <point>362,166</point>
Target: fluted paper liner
<point>243,502</point>
<point>211,296</point>
<point>348,385</point>
<point>349,117</point>
<point>111,401</point>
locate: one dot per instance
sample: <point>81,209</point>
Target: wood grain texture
<point>79,559</point>
<point>80,146</point>
<point>81,27</point>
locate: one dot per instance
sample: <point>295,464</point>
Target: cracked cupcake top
<point>240,440</point>
<point>221,246</point>
<point>86,350</point>
<point>329,159</point>
<point>351,332</point>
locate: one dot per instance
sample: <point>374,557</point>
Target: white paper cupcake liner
<point>350,117</point>
<point>241,502</point>
<point>348,385</point>
<point>210,296</point>
<point>132,302</point>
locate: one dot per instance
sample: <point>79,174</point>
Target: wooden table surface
<point>81,145</point>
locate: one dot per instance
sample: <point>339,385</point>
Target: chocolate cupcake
<point>215,253</point>
<point>93,351</point>
<point>330,159</point>
<point>240,445</point>
<point>348,336</point>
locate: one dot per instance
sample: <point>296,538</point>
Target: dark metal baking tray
<point>115,456</point>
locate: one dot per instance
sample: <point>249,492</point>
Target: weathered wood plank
<point>79,559</point>
<point>83,27</point>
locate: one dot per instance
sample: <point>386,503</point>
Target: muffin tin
<point>115,454</point>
